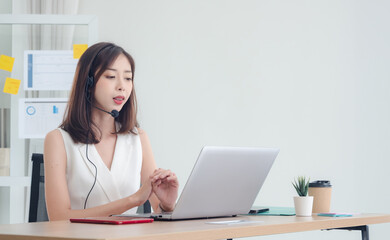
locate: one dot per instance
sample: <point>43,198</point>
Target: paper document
<point>49,70</point>
<point>38,116</point>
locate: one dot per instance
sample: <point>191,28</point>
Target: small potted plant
<point>303,203</point>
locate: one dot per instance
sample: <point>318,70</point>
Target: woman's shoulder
<point>143,136</point>
<point>53,135</point>
<point>59,136</point>
<point>142,133</point>
<point>54,144</point>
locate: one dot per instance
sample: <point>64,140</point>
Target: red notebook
<point>112,220</point>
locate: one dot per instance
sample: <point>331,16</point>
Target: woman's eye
<point>128,79</point>
<point>110,77</point>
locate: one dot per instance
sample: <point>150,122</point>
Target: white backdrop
<point>308,77</point>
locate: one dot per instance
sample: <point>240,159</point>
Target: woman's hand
<point>165,186</point>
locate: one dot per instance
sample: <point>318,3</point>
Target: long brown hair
<point>94,61</point>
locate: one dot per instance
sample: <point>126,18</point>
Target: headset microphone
<point>113,113</point>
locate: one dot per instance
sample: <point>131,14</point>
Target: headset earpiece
<point>90,78</point>
<point>88,86</point>
<point>89,81</point>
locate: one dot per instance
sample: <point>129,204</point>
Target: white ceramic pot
<point>303,206</point>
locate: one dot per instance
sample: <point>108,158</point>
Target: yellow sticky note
<point>11,85</point>
<point>78,50</point>
<point>6,63</point>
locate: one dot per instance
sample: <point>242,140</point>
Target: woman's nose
<point>121,85</point>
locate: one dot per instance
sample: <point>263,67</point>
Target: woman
<point>99,162</point>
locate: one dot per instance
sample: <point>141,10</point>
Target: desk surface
<point>189,229</point>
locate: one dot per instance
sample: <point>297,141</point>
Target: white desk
<point>189,229</point>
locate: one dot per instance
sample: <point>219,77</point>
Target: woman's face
<point>114,86</point>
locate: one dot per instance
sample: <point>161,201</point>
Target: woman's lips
<point>119,100</point>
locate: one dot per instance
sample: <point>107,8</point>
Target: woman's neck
<point>105,122</point>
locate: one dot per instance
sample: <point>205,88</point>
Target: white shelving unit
<point>14,189</point>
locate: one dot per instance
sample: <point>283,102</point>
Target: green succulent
<point>301,185</point>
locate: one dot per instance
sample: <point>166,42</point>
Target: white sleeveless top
<point>121,181</point>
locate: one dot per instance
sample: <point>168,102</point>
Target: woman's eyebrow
<point>112,69</point>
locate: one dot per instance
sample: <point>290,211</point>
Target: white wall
<point>309,77</point>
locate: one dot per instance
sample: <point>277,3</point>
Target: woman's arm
<point>56,189</point>
<point>148,165</point>
<point>164,182</point>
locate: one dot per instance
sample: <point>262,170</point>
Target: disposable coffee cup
<point>321,190</point>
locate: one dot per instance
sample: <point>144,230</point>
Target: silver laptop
<point>224,182</point>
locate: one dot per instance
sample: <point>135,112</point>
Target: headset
<point>114,113</point>
<point>91,80</point>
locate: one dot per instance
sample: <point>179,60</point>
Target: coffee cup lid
<point>320,183</point>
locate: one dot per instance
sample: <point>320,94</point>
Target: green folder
<point>277,211</point>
